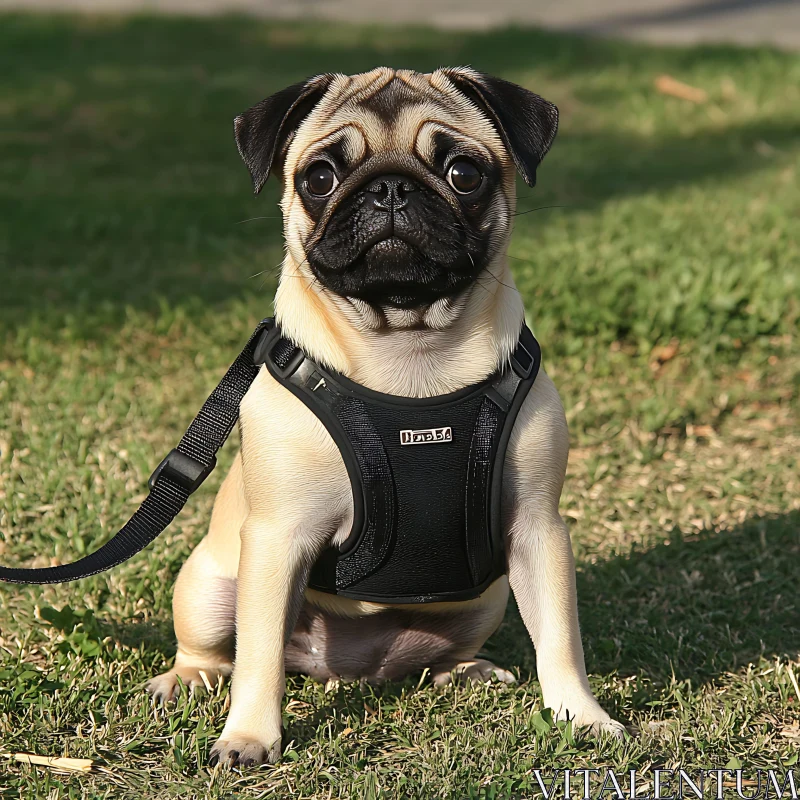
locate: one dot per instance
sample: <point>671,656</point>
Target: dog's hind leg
<point>204,602</point>
<point>204,609</point>
<point>476,670</point>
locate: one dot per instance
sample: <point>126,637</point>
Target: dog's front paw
<point>244,751</point>
<point>587,714</point>
<point>610,727</point>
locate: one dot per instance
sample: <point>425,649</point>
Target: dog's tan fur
<point>288,494</point>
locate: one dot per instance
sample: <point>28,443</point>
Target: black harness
<point>425,473</point>
<point>426,476</point>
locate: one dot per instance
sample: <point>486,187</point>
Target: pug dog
<point>398,197</point>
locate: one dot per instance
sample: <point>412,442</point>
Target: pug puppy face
<point>398,187</point>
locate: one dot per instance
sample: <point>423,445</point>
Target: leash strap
<point>175,478</point>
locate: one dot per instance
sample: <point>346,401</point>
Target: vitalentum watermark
<point>668,784</point>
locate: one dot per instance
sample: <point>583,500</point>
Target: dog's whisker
<point>531,210</point>
<point>518,258</point>
<point>256,274</point>
<point>253,219</point>
<point>274,271</point>
<point>480,285</point>
<point>502,283</point>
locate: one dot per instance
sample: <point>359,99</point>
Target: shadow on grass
<point>157,635</point>
<point>693,607</point>
<point>120,185</point>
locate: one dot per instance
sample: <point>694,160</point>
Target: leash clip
<point>184,470</point>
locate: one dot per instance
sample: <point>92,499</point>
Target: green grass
<point>665,289</point>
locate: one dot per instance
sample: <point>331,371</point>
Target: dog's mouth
<point>392,249</point>
<point>394,271</point>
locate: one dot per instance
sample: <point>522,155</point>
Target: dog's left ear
<point>526,122</point>
<point>263,132</point>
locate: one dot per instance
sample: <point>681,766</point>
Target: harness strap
<point>175,478</point>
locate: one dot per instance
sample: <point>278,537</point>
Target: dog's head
<point>398,186</point>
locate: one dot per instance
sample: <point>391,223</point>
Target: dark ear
<point>526,122</point>
<point>263,131</point>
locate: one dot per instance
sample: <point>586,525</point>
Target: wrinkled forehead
<point>390,110</point>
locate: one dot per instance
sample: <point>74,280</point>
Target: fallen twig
<point>666,84</point>
<point>70,764</point>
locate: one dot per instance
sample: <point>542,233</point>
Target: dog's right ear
<point>263,131</point>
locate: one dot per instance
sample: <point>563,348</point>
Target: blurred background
<point>676,21</point>
<point>659,261</point>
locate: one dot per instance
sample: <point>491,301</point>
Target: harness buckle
<point>268,347</point>
<point>523,367</point>
<point>295,360</point>
<point>184,470</point>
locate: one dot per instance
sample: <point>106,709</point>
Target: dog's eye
<point>320,179</point>
<point>464,177</point>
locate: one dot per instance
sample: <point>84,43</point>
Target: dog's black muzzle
<point>395,238</point>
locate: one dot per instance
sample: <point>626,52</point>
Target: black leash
<point>175,478</point>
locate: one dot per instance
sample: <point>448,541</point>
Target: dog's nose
<point>390,192</point>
